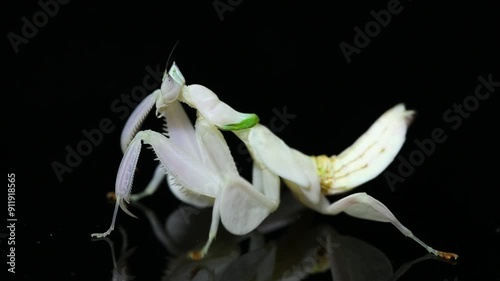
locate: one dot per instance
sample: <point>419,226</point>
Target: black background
<point>261,56</point>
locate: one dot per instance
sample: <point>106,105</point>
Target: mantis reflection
<point>302,250</point>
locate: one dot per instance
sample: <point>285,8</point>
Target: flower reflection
<point>302,249</point>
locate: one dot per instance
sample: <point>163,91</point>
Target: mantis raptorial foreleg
<point>181,147</point>
<point>136,119</point>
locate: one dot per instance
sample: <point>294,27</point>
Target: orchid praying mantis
<point>198,166</point>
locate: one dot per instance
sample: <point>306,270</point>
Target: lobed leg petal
<point>242,207</point>
<point>363,206</point>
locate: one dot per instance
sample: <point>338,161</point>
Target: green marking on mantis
<point>246,123</point>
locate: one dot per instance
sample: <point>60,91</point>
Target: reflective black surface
<point>291,244</point>
<point>73,78</point>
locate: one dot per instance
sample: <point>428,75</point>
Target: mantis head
<point>171,87</point>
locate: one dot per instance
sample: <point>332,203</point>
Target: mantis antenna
<point>170,55</point>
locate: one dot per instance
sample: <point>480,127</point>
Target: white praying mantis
<point>201,171</point>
